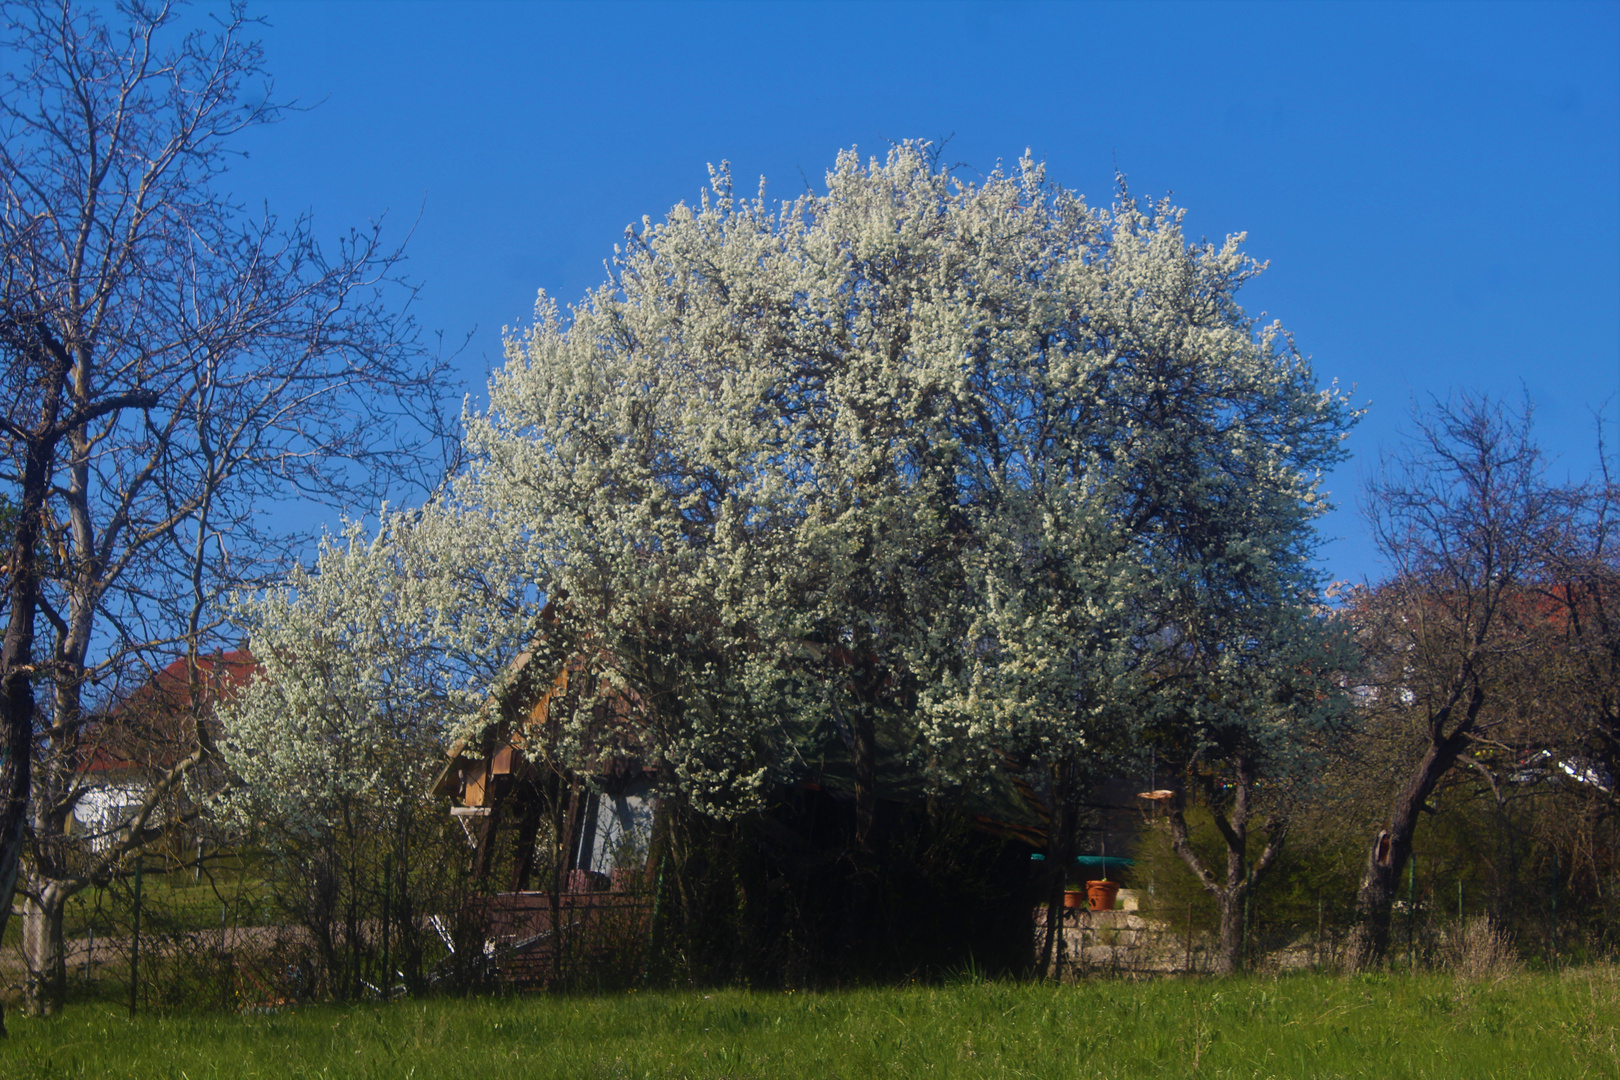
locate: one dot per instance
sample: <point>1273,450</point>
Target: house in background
<point>125,750</point>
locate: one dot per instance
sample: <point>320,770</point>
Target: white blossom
<point>971,460</point>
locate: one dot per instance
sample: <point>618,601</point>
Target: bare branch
<point>171,366</point>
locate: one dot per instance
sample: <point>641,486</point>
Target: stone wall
<point>1137,942</point>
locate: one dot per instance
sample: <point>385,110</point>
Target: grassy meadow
<point>1525,1026</point>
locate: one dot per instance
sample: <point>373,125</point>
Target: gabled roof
<point>519,717</point>
<point>150,727</point>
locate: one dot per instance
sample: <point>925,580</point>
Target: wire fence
<point>165,940</point>
<point>231,937</point>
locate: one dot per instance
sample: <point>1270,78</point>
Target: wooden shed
<point>568,852</point>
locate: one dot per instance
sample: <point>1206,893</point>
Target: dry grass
<point>1480,949</point>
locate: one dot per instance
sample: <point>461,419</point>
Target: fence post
<point>1556,873</point>
<point>135,938</point>
<point>1189,937</point>
<point>387,982</point>
<point>1411,907</point>
<point>1318,929</point>
<point>227,960</point>
<point>1248,890</point>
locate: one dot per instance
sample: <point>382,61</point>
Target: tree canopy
<point>976,461</point>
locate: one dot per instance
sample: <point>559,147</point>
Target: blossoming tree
<point>972,464</point>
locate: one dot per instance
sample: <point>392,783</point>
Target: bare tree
<point>1495,569</point>
<point>179,378</point>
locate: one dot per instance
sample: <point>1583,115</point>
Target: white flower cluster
<point>996,466</point>
<point>369,663</point>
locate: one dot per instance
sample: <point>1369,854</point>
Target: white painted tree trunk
<point>44,952</point>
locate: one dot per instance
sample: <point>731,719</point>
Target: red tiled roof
<point>150,728</point>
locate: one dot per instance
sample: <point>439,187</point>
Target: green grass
<point>1563,1026</point>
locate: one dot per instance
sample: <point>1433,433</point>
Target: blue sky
<point>1435,186</point>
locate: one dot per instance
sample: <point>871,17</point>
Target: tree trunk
<point>13,809</point>
<point>1059,860</point>
<point>1391,849</point>
<point>1234,830</point>
<point>17,665</point>
<point>1229,960</point>
<point>860,726</point>
<point>45,952</point>
<point>1228,895</point>
<point>864,736</point>
<point>11,842</point>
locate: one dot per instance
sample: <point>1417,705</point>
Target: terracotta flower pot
<point>1102,894</point>
<point>1074,898</point>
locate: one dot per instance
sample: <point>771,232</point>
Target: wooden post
<point>484,853</point>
